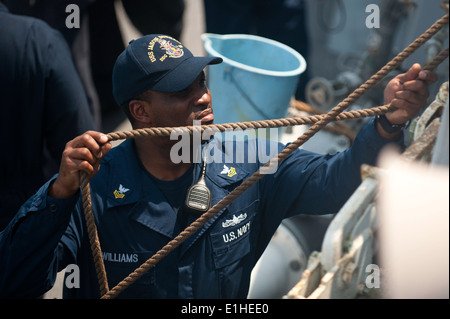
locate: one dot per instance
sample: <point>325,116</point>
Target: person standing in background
<point>43,105</point>
<point>98,41</point>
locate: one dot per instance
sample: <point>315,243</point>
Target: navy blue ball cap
<point>155,62</point>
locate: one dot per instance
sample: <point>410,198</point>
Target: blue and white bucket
<point>256,80</point>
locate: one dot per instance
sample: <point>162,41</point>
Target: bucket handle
<point>245,95</point>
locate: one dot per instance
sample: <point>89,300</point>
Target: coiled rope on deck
<point>317,121</point>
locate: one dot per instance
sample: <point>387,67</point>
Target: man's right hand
<point>83,153</point>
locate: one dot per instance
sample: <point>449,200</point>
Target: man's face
<point>182,108</point>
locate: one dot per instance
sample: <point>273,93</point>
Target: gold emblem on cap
<point>167,44</point>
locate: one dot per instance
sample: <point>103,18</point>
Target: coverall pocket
<point>231,238</point>
<point>228,254</point>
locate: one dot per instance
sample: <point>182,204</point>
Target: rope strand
<point>274,123</point>
<point>292,121</point>
<point>93,235</point>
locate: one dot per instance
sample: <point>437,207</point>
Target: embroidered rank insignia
<point>230,172</point>
<point>121,192</point>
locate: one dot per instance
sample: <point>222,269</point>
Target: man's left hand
<point>408,93</point>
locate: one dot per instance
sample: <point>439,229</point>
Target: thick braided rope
<point>332,115</point>
<point>282,155</point>
<point>92,233</point>
<point>437,60</point>
<point>291,121</point>
<point>90,222</point>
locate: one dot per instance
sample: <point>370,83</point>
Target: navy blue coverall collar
<point>145,193</point>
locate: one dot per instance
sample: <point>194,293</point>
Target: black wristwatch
<point>388,126</point>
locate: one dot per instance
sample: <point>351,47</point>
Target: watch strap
<point>388,126</point>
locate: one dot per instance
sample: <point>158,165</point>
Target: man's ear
<point>138,110</point>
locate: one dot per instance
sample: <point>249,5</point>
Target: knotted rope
<point>317,121</point>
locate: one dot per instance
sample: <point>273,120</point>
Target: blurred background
<point>332,37</point>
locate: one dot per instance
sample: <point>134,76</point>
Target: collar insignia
<point>121,192</point>
<point>230,172</point>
